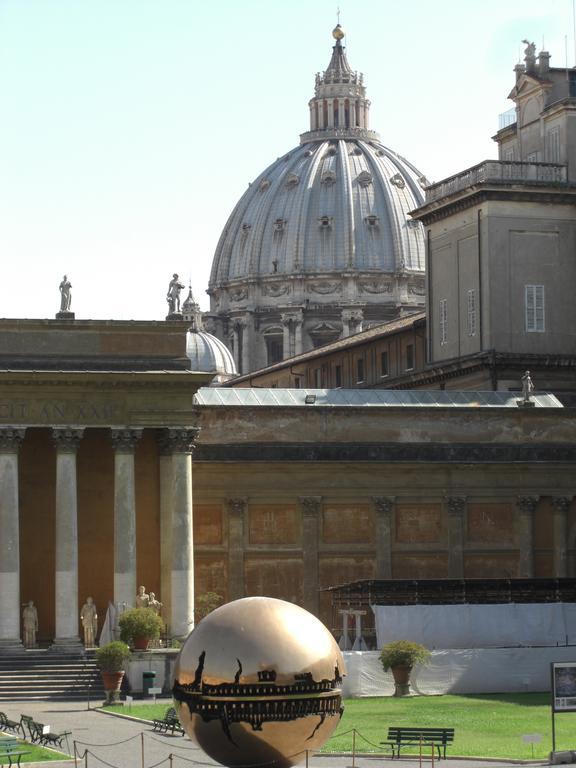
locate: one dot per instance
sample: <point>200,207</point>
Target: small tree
<point>139,622</point>
<point>112,657</point>
<point>403,653</point>
<point>205,604</point>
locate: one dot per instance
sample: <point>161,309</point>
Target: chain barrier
<point>172,756</point>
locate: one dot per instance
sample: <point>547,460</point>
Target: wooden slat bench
<point>38,733</point>
<point>399,737</point>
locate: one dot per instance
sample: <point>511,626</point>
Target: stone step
<point>43,675</point>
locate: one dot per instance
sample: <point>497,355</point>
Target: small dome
<point>208,354</point>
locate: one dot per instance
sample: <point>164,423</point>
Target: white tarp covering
<point>477,626</point>
<point>478,670</point>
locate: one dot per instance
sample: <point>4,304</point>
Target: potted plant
<point>140,625</point>
<point>400,656</point>
<point>111,660</point>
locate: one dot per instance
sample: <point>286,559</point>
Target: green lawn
<point>485,725</point>
<point>35,754</point>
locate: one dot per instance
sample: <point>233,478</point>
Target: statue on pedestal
<point>527,387</point>
<point>65,294</point>
<point>173,297</point>
<point>30,621</point>
<point>142,598</point>
<point>89,619</point>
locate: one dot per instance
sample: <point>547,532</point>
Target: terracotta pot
<point>112,682</point>
<point>401,680</point>
<point>140,643</point>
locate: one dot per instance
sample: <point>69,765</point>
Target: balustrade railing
<point>498,172</point>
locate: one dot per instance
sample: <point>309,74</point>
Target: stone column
<point>286,336</point>
<point>330,113</point>
<point>526,507</point>
<point>352,114</point>
<point>561,505</point>
<point>165,470</point>
<point>384,508</point>
<point>124,442</point>
<point>298,336</point>
<point>311,509</point>
<point>236,526</point>
<point>456,506</point>
<point>67,442</point>
<point>182,443</point>
<point>10,440</point>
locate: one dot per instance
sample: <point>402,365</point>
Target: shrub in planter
<point>111,660</point>
<point>138,625</point>
<point>400,656</point>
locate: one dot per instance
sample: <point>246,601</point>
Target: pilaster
<point>311,509</point>
<point>456,508</point>
<point>237,509</point>
<point>384,510</point>
<point>560,506</point>
<point>526,506</point>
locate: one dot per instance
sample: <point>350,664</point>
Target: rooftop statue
<point>173,297</point>
<point>65,294</point>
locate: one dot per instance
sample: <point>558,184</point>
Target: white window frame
<point>553,144</point>
<point>534,308</point>
<point>471,312</point>
<point>443,321</point>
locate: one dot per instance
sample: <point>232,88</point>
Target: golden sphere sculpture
<point>338,33</point>
<point>258,682</point>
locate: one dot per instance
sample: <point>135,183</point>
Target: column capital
<point>310,505</point>
<point>561,503</point>
<point>527,504</point>
<point>237,506</point>
<point>10,439</point>
<point>384,504</point>
<point>66,439</point>
<point>124,439</point>
<point>456,505</point>
<point>178,439</point>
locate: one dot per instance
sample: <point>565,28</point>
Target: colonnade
<point>176,515</point>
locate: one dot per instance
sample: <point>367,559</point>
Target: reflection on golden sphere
<point>338,32</point>
<point>258,682</point>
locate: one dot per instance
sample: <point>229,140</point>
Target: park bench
<point>6,723</point>
<point>11,749</point>
<point>169,722</point>
<point>439,738</point>
<point>38,733</point>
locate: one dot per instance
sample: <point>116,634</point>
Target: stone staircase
<point>42,675</point>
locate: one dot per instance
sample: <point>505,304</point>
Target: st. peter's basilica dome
<point>321,245</point>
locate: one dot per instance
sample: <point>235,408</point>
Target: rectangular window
<point>317,378</point>
<point>532,157</point>
<point>553,145</point>
<point>384,370</point>
<point>359,370</point>
<point>472,312</point>
<point>409,357</point>
<point>338,376</point>
<point>534,307</point>
<point>443,321</point>
<point>509,155</point>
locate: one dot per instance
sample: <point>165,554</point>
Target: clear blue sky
<point>130,128</point>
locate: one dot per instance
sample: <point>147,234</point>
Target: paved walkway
<point>93,730</point>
